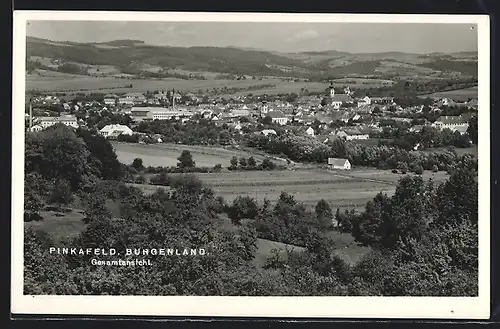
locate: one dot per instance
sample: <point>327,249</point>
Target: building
<point>454,123</point>
<point>342,164</point>
<point>36,128</point>
<point>310,131</point>
<point>113,131</point>
<point>267,132</point>
<point>110,99</point>
<point>240,112</point>
<point>67,120</point>
<point>139,114</point>
<point>416,128</point>
<point>337,101</point>
<point>278,117</point>
<point>364,101</point>
<point>132,98</point>
<point>352,134</point>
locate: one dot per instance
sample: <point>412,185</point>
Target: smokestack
<point>173,99</point>
<point>31,116</point>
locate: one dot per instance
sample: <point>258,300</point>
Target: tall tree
<point>186,160</point>
<point>324,214</point>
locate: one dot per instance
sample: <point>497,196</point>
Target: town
<point>325,116</point>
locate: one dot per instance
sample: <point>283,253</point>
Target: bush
<point>218,168</point>
<point>243,207</point>
<point>435,168</point>
<point>141,179</point>
<point>394,171</point>
<point>419,170</point>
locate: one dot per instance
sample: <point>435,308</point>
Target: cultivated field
<point>166,155</point>
<point>458,95</point>
<point>341,189</point>
<point>74,83</point>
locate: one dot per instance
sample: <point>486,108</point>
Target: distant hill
<point>128,56</point>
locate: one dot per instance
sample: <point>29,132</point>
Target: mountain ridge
<point>249,61</point>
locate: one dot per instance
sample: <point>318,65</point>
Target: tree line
<point>303,148</point>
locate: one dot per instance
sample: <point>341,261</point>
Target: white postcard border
<point>339,307</point>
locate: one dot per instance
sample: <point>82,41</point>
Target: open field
<point>388,177</point>
<point>74,83</point>
<point>362,81</point>
<point>166,155</point>
<point>341,189</point>
<point>457,95</point>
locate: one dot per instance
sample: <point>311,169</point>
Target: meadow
<point>342,189</point>
<point>166,155</point>
<point>457,95</point>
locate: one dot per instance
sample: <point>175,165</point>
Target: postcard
<point>251,165</point>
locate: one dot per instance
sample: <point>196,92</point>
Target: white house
<point>111,131</point>
<point>36,128</point>
<point>342,164</point>
<point>364,101</point>
<point>310,131</point>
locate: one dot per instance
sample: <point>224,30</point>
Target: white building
<point>67,120</point>
<point>240,112</point>
<point>36,128</point>
<point>111,131</point>
<point>266,132</point>
<point>310,131</point>
<point>352,135</point>
<point>342,164</point>
<point>364,101</point>
<point>158,113</point>
<point>454,123</point>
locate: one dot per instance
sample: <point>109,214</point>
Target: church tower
<point>332,90</point>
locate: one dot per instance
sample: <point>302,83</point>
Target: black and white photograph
<point>251,164</point>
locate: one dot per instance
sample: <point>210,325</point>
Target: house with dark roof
<point>110,99</point>
<point>454,123</point>
<point>278,117</point>
<point>352,134</point>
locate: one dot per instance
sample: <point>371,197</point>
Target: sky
<point>282,37</point>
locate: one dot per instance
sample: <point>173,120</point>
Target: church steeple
<point>332,90</point>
